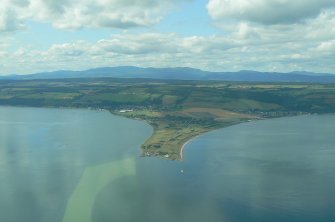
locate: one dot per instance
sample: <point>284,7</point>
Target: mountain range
<point>180,73</point>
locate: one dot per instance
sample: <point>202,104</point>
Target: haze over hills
<point>180,73</point>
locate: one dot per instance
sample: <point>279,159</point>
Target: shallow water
<point>55,163</point>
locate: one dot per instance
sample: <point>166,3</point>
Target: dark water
<point>56,163</point>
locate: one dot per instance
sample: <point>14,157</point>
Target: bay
<point>44,154</point>
<point>273,170</point>
<point>82,165</point>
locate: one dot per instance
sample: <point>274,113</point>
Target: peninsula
<point>178,110</point>
<point>172,129</point>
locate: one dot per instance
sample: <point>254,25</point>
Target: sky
<point>213,35</point>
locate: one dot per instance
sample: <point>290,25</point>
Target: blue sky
<point>216,35</point>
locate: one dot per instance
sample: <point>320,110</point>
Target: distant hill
<point>181,73</point>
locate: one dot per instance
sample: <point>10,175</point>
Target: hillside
<point>181,73</point>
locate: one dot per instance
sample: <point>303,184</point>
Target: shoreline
<point>181,146</point>
<point>213,130</point>
<point>171,150</point>
<point>188,141</point>
<point>176,153</point>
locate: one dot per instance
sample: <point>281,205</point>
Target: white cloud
<point>327,46</point>
<point>73,14</point>
<point>326,49</point>
<point>216,53</point>
<point>9,18</point>
<point>322,27</point>
<point>268,11</point>
<point>279,35</point>
<point>263,35</point>
<point>147,43</point>
<point>149,49</point>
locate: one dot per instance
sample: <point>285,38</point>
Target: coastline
<point>178,111</point>
<point>171,135</point>
<point>180,139</point>
<point>187,142</point>
<point>201,134</point>
<point>171,151</point>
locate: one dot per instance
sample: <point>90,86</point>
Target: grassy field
<point>177,110</point>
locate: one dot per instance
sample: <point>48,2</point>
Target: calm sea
<point>66,165</point>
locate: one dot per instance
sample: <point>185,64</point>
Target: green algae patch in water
<point>94,179</point>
